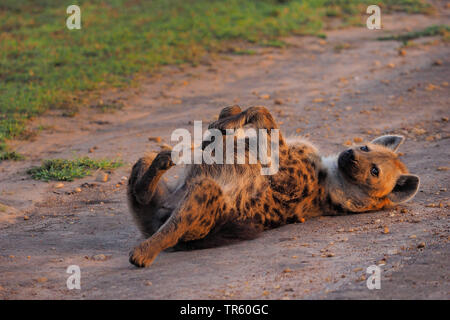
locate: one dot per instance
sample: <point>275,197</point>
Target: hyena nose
<point>349,155</point>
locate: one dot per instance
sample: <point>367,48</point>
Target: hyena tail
<point>227,233</point>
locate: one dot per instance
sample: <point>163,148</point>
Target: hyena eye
<point>365,148</point>
<point>374,171</point>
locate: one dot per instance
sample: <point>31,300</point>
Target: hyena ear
<point>390,141</point>
<point>405,189</point>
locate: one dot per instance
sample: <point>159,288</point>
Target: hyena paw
<point>224,123</point>
<point>163,160</point>
<point>141,259</point>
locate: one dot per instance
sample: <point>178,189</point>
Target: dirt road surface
<point>333,91</point>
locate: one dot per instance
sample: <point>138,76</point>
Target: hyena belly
<point>224,190</point>
<point>263,202</point>
<point>292,194</point>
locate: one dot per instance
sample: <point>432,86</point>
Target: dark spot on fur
<point>258,218</point>
<point>305,192</point>
<point>322,176</point>
<point>189,218</point>
<point>200,198</point>
<point>292,219</point>
<point>276,199</point>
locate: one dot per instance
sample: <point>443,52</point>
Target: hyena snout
<point>348,155</point>
<point>347,162</point>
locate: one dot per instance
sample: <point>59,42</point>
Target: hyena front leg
<point>146,192</point>
<point>204,206</point>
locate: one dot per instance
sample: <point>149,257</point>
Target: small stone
<point>102,177</point>
<point>362,278</point>
<point>155,139</point>
<point>42,279</point>
<point>265,96</point>
<point>278,101</point>
<point>402,52</point>
<point>100,257</point>
<point>418,131</point>
<point>77,190</point>
<point>413,236</point>
<point>59,185</point>
<point>148,283</point>
<point>386,230</point>
<point>421,245</point>
<point>287,270</point>
<point>437,62</point>
<point>435,205</point>
<point>358,139</point>
<point>26,217</point>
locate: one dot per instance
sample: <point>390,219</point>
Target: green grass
<point>107,107</point>
<point>43,65</point>
<point>68,170</point>
<point>6,154</point>
<point>10,155</point>
<point>435,30</point>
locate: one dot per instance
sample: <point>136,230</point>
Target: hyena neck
<point>336,196</point>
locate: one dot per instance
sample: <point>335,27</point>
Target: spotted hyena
<point>229,201</point>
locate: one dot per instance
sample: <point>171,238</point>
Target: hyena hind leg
<point>203,207</point>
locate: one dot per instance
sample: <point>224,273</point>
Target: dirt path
<point>349,86</point>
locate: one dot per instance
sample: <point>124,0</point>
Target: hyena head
<point>373,177</point>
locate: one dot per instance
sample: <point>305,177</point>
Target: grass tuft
<point>10,155</point>
<point>68,170</point>
<point>6,154</point>
<point>431,31</point>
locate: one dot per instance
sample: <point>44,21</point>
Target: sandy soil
<point>332,91</point>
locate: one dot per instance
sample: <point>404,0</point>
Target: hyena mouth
<point>347,163</point>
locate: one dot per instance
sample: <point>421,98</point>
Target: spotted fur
<point>215,202</point>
